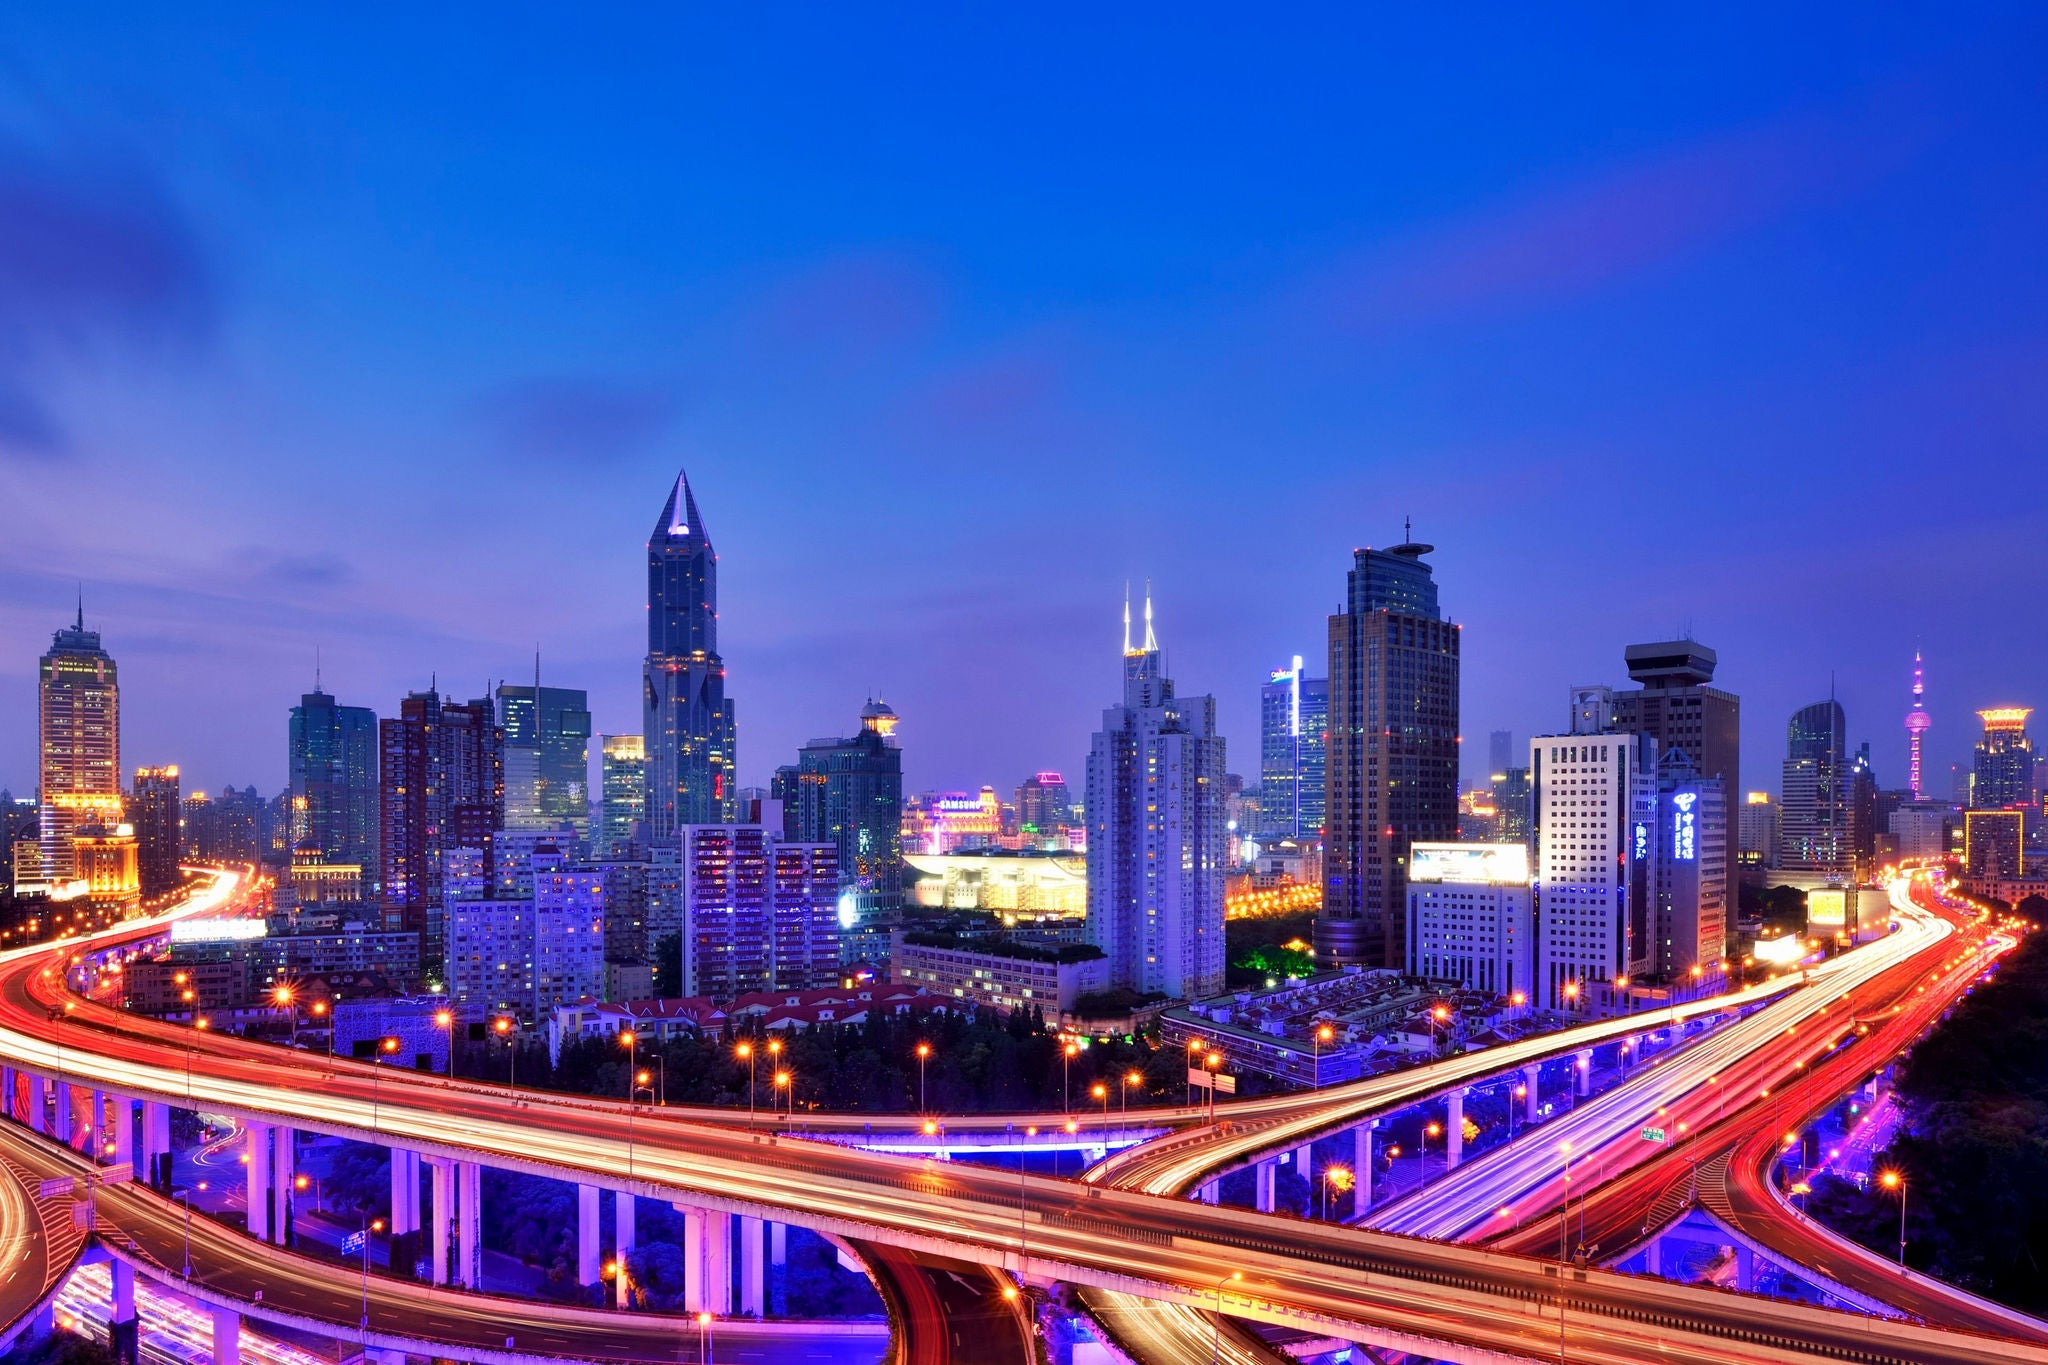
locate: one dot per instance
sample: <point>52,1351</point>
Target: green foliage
<point>1974,1148</point>
<point>1243,940</point>
<point>1272,960</point>
<point>2033,909</point>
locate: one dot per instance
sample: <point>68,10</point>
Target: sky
<point>381,334</point>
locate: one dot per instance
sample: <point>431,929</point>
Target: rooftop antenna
<point>1407,530</point>
<point>1127,616</point>
<point>316,668</point>
<point>81,606</point>
<point>1151,642</point>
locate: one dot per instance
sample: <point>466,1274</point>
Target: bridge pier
<point>1584,1068</point>
<point>258,1144</point>
<point>1305,1167</point>
<point>441,1193</point>
<point>8,1090</point>
<point>1211,1193</point>
<point>586,1235</point>
<point>227,1337</point>
<point>122,1326</point>
<point>469,1201</point>
<point>1529,1102</point>
<point>778,1244</point>
<point>96,1129</point>
<point>405,1213</point>
<point>156,1144</point>
<point>1745,1270</point>
<point>39,1105</point>
<point>66,1130</point>
<point>693,1258</point>
<point>624,1238</point>
<point>1361,1165</point>
<point>1454,1131</point>
<point>718,1263</point>
<point>284,1175</point>
<point>753,1281</point>
<point>1265,1173</point>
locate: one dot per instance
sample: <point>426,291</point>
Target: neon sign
<point>1683,844</point>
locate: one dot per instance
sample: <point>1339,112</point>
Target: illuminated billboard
<point>1684,832</point>
<point>217,930</point>
<point>1827,908</point>
<point>1780,952</point>
<point>1480,864</point>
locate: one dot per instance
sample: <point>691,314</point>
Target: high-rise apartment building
<point>1994,845</point>
<point>441,785</point>
<point>1595,801</point>
<point>331,755</point>
<point>1157,847</point>
<point>2003,775</point>
<point>624,790</point>
<point>759,912</point>
<point>157,814</point>
<point>227,828</point>
<point>1757,833</point>
<point>1470,918</point>
<point>688,720</point>
<point>78,704</point>
<point>530,952</point>
<point>1392,752</point>
<point>547,757</point>
<point>1814,814</point>
<point>1294,720</point>
<point>849,793</point>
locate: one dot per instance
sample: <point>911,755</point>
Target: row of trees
<point>1973,1150</point>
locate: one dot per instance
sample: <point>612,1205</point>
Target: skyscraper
<point>1294,716</point>
<point>759,911</point>
<point>1757,833</point>
<point>1393,751</point>
<point>688,720</point>
<point>624,790</point>
<point>1676,704</point>
<point>1814,807</point>
<point>332,760</point>
<point>1157,848</point>
<point>547,757</point>
<point>78,702</point>
<point>849,793</point>
<point>441,784</point>
<point>1917,721</point>
<point>2003,776</point>
<point>1595,803</point>
<point>1042,810</point>
<point>1500,753</point>
<point>156,813</point>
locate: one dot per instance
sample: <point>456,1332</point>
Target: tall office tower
<point>1994,845</point>
<point>79,743</point>
<point>1757,834</point>
<point>1294,720</point>
<point>624,789</point>
<point>2003,775</point>
<point>1917,721</point>
<point>1675,703</point>
<point>1393,752</point>
<point>441,785</point>
<point>1692,926</point>
<point>759,913</point>
<point>849,793</point>
<point>1157,849</point>
<point>1469,916</point>
<point>1866,821</point>
<point>332,758</point>
<point>157,815</point>
<point>1511,805</point>
<point>688,719</point>
<point>227,828</point>
<point>1595,803</point>
<point>1500,752</point>
<point>1042,802</point>
<point>1814,819</point>
<point>547,757</point>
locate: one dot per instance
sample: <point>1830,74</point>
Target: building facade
<point>157,813</point>
<point>1471,916</point>
<point>687,720</point>
<point>1157,847</point>
<point>1595,801</point>
<point>528,954</point>
<point>331,755</point>
<point>1294,721</point>
<point>1001,975</point>
<point>2003,775</point>
<point>1814,812</point>
<point>1693,925</point>
<point>441,787</point>
<point>1044,811</point>
<point>547,757</point>
<point>849,793</point>
<point>624,791</point>
<point>1994,845</point>
<point>1757,832</point>
<point>759,912</point>
<point>1392,752</point>
<point>78,732</point>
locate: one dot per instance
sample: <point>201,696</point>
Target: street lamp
<point>373,1225</point>
<point>1896,1180</point>
<point>1068,1052</point>
<point>1323,1034</point>
<point>704,1339</point>
<point>782,1084</point>
<point>1131,1078</point>
<point>386,1046</point>
<point>1216,1323</point>
<point>631,1042</point>
<point>444,1020</point>
<point>1338,1178</point>
<point>319,1011</point>
<point>924,1052</point>
<point>1211,1062</point>
<point>504,1026</point>
<point>640,1081</point>
<point>1429,1130</point>
<point>1101,1092</point>
<point>1194,1059</point>
<point>745,1052</point>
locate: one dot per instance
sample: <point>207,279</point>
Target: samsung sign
<point>1684,842</point>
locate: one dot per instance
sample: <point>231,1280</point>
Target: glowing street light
<point>1896,1181</point>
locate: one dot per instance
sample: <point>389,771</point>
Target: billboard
<point>1480,864</point>
<point>1827,908</point>
<point>217,930</point>
<point>1780,952</point>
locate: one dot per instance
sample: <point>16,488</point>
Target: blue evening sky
<point>382,332</point>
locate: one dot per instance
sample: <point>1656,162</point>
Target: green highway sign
<point>1653,1134</point>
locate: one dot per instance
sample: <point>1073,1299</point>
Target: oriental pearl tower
<point>1917,721</point>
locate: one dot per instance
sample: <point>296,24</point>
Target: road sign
<point>353,1242</point>
<point>56,1185</point>
<point>1653,1134</point>
<point>1202,1079</point>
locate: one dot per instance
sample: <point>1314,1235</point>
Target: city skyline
<point>1450,327</point>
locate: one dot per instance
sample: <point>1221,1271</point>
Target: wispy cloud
<point>575,418</point>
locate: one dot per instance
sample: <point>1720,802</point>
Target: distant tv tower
<point>1917,721</point>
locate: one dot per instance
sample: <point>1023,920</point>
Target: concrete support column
<point>405,1212</point>
<point>96,1135</point>
<point>469,1256</point>
<point>1745,1270</point>
<point>1454,1131</point>
<point>1265,1172</point>
<point>624,1233</point>
<point>1653,1256</point>
<point>227,1337</point>
<point>753,1284</point>
<point>258,1146</point>
<point>122,1325</point>
<point>66,1130</point>
<point>443,1176</point>
<point>38,1105</point>
<point>586,1235</point>
<point>718,1263</point>
<point>284,1171</point>
<point>9,1088</point>
<point>1361,1165</point>
<point>156,1144</point>
<point>1529,1101</point>
<point>1210,1192</point>
<point>1584,1067</point>
<point>778,1244</point>
<point>693,1258</point>
<point>1305,1167</point>
<point>124,1290</point>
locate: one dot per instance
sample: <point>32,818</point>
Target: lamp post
<point>630,1040</point>
<point>1131,1078</point>
<point>319,1011</point>
<point>745,1052</point>
<point>1216,1323</point>
<point>1896,1180</point>
<point>1068,1051</point>
<point>505,1027</point>
<point>1334,1177</point>
<point>1194,1057</point>
<point>1429,1130</point>
<point>444,1020</point>
<point>1213,1060</point>
<point>1323,1034</point>
<point>282,993</point>
<point>373,1225</point>
<point>1101,1092</point>
<point>924,1052</point>
<point>385,1047</point>
<point>704,1339</point>
<point>640,1079</point>
<point>782,1083</point>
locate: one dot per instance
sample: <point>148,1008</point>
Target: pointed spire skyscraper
<point>688,720</point>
